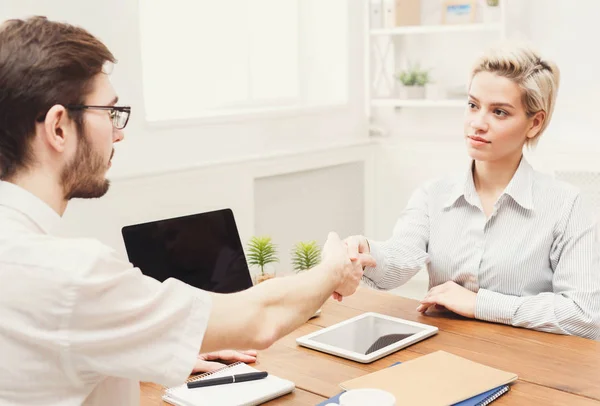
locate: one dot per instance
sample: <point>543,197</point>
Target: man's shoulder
<point>83,249</point>
<point>53,252</point>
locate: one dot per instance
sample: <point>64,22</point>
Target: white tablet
<point>367,337</point>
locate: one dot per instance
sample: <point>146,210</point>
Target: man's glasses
<point>118,114</point>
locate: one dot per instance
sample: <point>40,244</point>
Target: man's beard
<point>83,177</point>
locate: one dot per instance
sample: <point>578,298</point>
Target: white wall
<point>337,191</point>
<point>567,33</point>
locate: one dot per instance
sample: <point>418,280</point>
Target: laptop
<point>203,250</point>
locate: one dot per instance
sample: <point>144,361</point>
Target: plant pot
<point>264,277</point>
<point>412,92</point>
<point>268,272</point>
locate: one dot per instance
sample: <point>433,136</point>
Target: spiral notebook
<point>485,398</point>
<point>233,394</point>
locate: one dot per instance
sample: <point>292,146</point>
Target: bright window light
<point>205,57</point>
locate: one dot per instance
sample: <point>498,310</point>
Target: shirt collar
<point>520,187</point>
<point>464,186</point>
<point>19,199</point>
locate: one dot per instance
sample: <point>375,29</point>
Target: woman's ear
<point>537,121</point>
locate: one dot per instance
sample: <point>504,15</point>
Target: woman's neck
<point>493,176</point>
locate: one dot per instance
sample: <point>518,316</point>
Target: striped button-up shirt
<point>534,262</point>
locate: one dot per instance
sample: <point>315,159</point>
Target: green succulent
<point>261,251</point>
<point>305,255</point>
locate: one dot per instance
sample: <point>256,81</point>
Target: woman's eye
<point>501,113</point>
<point>472,105</point>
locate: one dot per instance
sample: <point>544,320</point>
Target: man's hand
<point>206,362</point>
<point>451,296</point>
<point>349,268</point>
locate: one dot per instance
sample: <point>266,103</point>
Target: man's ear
<point>57,127</point>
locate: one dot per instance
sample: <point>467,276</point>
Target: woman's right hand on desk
<point>350,268</point>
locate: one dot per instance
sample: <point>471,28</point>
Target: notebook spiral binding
<point>493,397</point>
<point>204,375</point>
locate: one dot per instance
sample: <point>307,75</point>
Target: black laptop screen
<point>203,250</point>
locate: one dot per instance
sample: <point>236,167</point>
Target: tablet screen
<point>367,334</point>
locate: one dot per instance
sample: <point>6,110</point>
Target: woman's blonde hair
<point>538,78</point>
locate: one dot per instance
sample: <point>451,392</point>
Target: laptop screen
<point>203,250</point>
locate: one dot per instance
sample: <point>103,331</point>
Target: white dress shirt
<point>534,262</point>
<point>79,325</point>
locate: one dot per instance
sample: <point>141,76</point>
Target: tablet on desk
<point>367,337</point>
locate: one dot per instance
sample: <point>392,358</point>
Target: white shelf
<point>430,29</point>
<point>418,103</point>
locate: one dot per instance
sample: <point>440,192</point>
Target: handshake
<point>346,261</point>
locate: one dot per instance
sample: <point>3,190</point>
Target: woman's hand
<point>453,297</point>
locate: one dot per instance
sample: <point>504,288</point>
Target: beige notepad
<point>436,379</point>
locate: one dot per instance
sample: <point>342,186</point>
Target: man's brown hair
<point>42,63</point>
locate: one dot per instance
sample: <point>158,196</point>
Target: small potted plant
<point>413,82</point>
<point>305,255</point>
<point>261,253</point>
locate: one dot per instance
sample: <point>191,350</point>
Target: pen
<point>253,376</point>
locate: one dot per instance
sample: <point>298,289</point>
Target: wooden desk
<point>552,369</point>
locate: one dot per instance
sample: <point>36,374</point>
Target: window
<point>206,57</point>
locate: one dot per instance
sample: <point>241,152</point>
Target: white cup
<point>367,397</point>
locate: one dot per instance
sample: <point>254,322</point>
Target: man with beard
<point>74,315</point>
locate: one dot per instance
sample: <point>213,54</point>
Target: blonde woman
<point>502,243</point>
